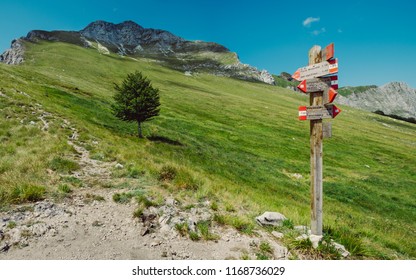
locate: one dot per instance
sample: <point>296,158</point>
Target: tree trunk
<point>139,125</point>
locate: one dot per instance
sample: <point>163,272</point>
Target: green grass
<point>345,91</point>
<point>217,138</point>
<point>63,165</point>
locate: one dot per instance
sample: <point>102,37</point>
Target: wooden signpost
<point>322,94</point>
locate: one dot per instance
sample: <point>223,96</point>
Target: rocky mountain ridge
<point>130,39</point>
<point>395,98</point>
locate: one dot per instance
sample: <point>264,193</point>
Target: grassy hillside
<point>345,91</point>
<point>233,142</point>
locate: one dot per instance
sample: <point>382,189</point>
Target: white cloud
<point>317,32</point>
<point>307,22</point>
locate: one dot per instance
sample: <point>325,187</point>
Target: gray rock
<point>192,225</point>
<point>278,235</point>
<point>301,229</point>
<point>171,202</point>
<point>118,166</point>
<point>271,218</point>
<point>341,249</point>
<point>315,239</point>
<point>15,235</point>
<point>39,229</point>
<point>395,98</point>
<point>14,55</point>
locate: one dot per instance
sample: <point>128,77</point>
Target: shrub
<point>25,193</point>
<point>182,228</point>
<point>194,236</point>
<point>63,165</point>
<point>167,173</point>
<point>64,188</point>
<point>122,197</point>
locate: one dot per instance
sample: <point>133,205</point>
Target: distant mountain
<point>395,98</point>
<point>130,39</point>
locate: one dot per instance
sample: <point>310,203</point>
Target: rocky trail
<point>89,224</point>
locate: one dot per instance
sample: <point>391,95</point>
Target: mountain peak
<point>130,39</point>
<point>128,33</point>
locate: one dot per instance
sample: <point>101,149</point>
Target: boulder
<point>271,219</point>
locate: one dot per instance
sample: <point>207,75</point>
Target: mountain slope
<point>395,98</point>
<point>235,143</point>
<point>130,39</point>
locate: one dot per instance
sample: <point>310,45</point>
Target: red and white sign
<point>328,111</point>
<point>316,70</point>
<point>302,113</point>
<point>331,81</point>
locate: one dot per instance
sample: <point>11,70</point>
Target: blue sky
<point>375,41</point>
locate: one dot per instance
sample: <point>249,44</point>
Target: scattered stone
<point>315,239</point>
<point>32,123</point>
<point>188,73</point>
<point>271,218</point>
<point>118,166</point>
<point>45,209</point>
<point>15,235</point>
<point>278,235</point>
<point>39,229</point>
<point>97,224</point>
<point>171,202</point>
<point>5,248</point>
<point>191,225</point>
<point>302,229</point>
<point>144,231</point>
<point>341,249</point>
<point>297,176</point>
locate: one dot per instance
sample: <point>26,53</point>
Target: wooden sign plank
<point>318,112</point>
<point>312,85</point>
<point>316,70</point>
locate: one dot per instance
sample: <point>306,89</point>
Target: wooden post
<point>316,135</point>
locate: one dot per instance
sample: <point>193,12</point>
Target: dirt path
<point>90,225</point>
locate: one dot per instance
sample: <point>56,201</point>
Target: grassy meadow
<point>233,142</point>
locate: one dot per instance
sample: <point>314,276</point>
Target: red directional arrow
<point>329,95</point>
<point>335,111</point>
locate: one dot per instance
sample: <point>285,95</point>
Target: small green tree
<point>136,100</point>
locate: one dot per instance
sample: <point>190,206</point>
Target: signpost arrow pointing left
<point>312,85</point>
<point>317,70</point>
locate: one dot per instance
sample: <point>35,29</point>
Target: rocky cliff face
<point>395,98</point>
<point>130,39</point>
<point>14,55</point>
